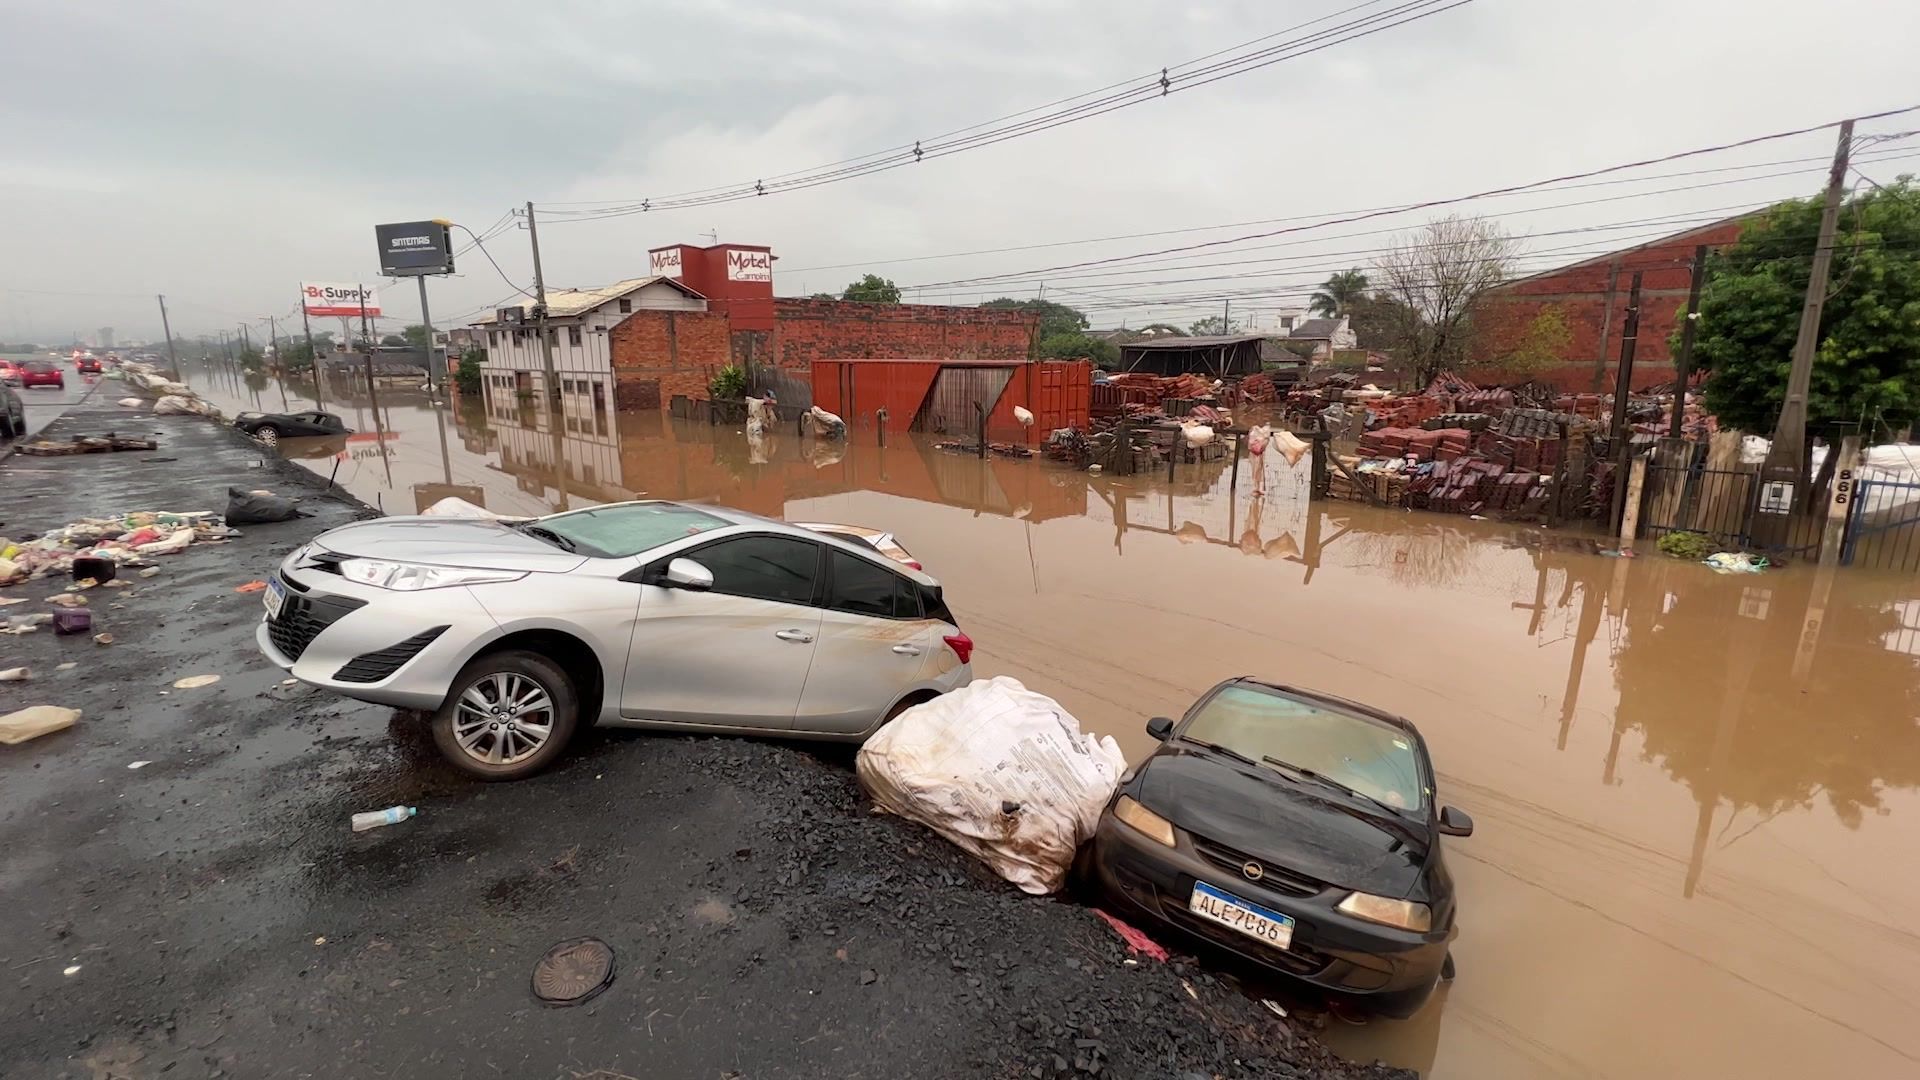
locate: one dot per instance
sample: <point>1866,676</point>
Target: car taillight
<point>915,563</point>
<point>962,646</point>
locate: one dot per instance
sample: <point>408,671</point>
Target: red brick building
<point>1592,297</point>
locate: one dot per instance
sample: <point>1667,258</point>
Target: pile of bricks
<point>1591,406</point>
<point>1473,487</point>
<point>1445,444</point>
<point>1405,411</point>
<point>1494,402</point>
<point>1519,451</point>
<point>1475,422</point>
<point>1258,389</point>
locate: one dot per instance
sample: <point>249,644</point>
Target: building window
<point>573,336</point>
<point>599,407</point>
<point>553,335</point>
<point>626,306</point>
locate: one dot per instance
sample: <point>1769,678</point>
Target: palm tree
<point>1338,294</point>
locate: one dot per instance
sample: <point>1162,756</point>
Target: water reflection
<point>1696,818</point>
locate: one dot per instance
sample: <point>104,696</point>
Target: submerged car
<point>272,427</point>
<point>649,614</point>
<point>40,373</point>
<point>1296,830</point>
<point>879,540</point>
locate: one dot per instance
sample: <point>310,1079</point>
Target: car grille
<point>374,666</point>
<point>302,618</point>
<point>1278,878</point>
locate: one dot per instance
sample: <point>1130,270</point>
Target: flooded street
<point>1695,821</point>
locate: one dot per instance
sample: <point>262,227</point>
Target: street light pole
<point>173,358</point>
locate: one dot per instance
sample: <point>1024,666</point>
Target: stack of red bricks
<point>1471,486</point>
<point>1591,406</point>
<point>1492,402</point>
<point>1258,388</point>
<point>1519,451</point>
<point>1445,444</point>
<point>1406,411</point>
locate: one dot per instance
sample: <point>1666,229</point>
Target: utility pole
<point>1783,479</point>
<point>280,373</point>
<point>1684,368</point>
<point>313,357</point>
<point>1226,317</point>
<point>173,359</point>
<point>1622,389</point>
<point>434,380</point>
<point>540,323</point>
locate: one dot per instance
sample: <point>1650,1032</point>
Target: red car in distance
<point>87,364</point>
<point>40,373</point>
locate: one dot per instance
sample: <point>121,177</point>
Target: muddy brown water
<point>1696,813</point>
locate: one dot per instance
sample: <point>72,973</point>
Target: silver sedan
<point>646,614</point>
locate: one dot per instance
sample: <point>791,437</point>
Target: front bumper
<point>392,648</point>
<point>1330,950</point>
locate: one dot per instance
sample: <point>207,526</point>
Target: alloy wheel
<point>503,718</point>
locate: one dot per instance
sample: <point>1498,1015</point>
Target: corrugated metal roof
<point>1193,342</point>
<point>566,303</point>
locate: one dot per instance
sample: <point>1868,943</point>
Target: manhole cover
<point>573,971</point>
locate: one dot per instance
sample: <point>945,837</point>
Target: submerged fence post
<point>981,411</point>
<point>880,421</point>
<point>1630,510</point>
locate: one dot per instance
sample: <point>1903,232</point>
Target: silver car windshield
<point>614,532</point>
<point>1369,757</point>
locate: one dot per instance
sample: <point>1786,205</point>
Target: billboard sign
<point>664,262</point>
<point>415,248</point>
<point>333,298</point>
<point>749,265</point>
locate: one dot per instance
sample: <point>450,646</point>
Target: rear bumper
<point>1330,950</point>
<point>379,645</point>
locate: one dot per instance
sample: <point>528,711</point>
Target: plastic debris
<point>1736,562</point>
<point>9,601</point>
<point>149,571</point>
<point>93,568</point>
<point>138,764</point>
<point>69,665</point>
<point>1273,1007</point>
<point>954,764</point>
<point>131,402</point>
<point>35,721</point>
<point>67,600</point>
<point>250,587</point>
<point>194,682</point>
<point>258,507</point>
<point>103,639</point>
<point>72,970</point>
<point>26,624</point>
<point>73,621</point>
<point>172,545</point>
<point>16,674</point>
<point>374,819</point>
<point>1138,944</point>
<point>827,424</point>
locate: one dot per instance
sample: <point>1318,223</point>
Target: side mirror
<point>689,575</point>
<point>1160,728</point>
<point>1455,822</point>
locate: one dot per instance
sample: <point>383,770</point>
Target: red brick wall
<point>809,330</point>
<point>678,350</point>
<point>1585,294</point>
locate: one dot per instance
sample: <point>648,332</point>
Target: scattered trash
<point>172,545</point>
<point>951,763</point>
<point>1273,1007</point>
<point>456,507</point>
<point>251,586</point>
<point>131,402</point>
<point>1291,446</point>
<point>258,507</point>
<point>138,764</point>
<point>73,970</point>
<point>374,819</point>
<point>321,940</point>
<point>66,666</point>
<point>103,639</point>
<point>288,682</point>
<point>573,971</point>
<point>1476,517</point>
<point>149,571</point>
<point>182,405</point>
<point>1138,943</point>
<point>67,600</point>
<point>35,721</point>
<point>16,674</point>
<point>826,424</point>
<point>26,624</point>
<point>85,444</point>
<point>7,601</point>
<point>194,682</point>
<point>93,567</point>
<point>73,621</point>
<point>1736,562</point>
<point>1094,468</point>
<point>869,977</point>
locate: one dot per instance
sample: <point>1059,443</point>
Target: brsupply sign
<point>332,298</point>
<point>749,265</point>
<point>664,262</point>
<point>415,248</point>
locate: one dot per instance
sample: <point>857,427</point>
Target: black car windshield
<point>614,532</point>
<point>1365,755</point>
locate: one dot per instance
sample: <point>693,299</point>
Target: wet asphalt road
<point>224,921</point>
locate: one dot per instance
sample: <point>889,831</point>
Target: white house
<point>1326,334</point>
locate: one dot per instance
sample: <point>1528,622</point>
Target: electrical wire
<point>496,266</point>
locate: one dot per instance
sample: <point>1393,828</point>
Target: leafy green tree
<point>728,384</point>
<point>252,359</point>
<point>1337,296</point>
<point>1867,362</point>
<point>296,357</point>
<point>466,376</point>
<point>1541,344</point>
<point>1214,325</point>
<point>416,335</point>
<point>394,341</point>
<point>1055,319</point>
<point>1074,345</point>
<point>873,289</point>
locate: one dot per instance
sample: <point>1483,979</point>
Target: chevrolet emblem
<point>1253,871</point>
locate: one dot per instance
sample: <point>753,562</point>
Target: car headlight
<point>412,577</point>
<point>1144,820</point>
<point>1405,914</point>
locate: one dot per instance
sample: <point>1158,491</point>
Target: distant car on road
<point>272,427</point>
<point>9,372</point>
<point>13,413</point>
<point>41,373</point>
<point>1297,830</point>
<point>87,365</point>
<point>882,542</point>
<point>653,615</point>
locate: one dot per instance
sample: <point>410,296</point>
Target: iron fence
<point>1883,526</point>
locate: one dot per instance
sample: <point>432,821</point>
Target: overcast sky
<point>221,153</point>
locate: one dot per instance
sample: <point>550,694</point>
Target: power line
<point>496,266</point>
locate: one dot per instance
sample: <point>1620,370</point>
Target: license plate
<point>275,597</point>
<point>1249,918</point>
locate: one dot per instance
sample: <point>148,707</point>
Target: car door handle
<point>793,635</point>
<point>907,650</point>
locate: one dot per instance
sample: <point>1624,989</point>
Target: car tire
<point>266,435</point>
<point>509,673</point>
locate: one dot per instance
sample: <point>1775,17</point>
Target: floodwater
<point>1697,821</point>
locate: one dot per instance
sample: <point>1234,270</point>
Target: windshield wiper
<point>1218,749</point>
<point>1329,781</point>
<point>541,532</point>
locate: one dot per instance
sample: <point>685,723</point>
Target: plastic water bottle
<point>373,819</point>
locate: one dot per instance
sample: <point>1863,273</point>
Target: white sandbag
<point>1291,446</point>
<point>826,423</point>
<point>131,402</point>
<point>1004,773</point>
<point>1021,414</point>
<point>183,405</point>
<point>33,722</point>
<point>455,507</point>
<point>1197,435</point>
<point>1258,436</point>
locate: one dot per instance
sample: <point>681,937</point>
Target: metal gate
<point>949,408</point>
<point>1713,502</point>
<point>1883,526</point>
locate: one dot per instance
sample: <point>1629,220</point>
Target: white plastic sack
<point>959,762</point>
<point>1291,446</point>
<point>455,507</point>
<point>131,402</point>
<point>181,405</point>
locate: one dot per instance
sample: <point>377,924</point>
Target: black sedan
<point>1297,830</point>
<point>272,427</point>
